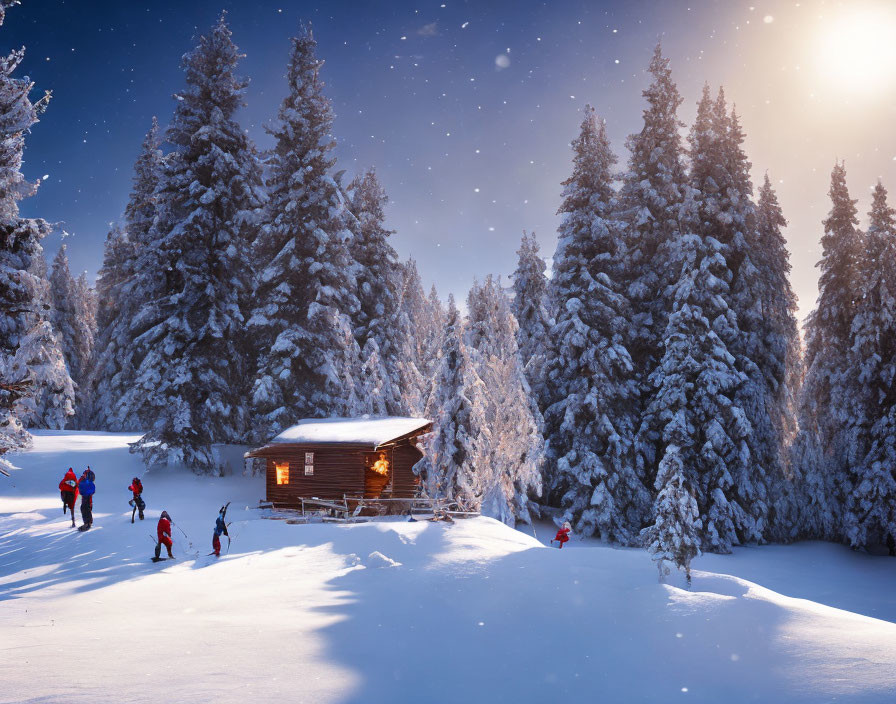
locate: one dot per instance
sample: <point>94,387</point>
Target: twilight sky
<point>467,108</point>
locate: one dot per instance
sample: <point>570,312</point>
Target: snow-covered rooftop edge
<point>365,430</point>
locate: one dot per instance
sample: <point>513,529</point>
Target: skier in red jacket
<point>563,534</point>
<point>163,530</point>
<point>136,488</point>
<point>68,489</point>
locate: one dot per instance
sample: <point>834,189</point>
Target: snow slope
<point>405,612</point>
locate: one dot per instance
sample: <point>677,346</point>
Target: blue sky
<point>465,108</point>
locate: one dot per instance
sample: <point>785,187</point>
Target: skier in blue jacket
<point>220,527</point>
<point>87,489</point>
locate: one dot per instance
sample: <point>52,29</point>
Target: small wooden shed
<point>331,458</point>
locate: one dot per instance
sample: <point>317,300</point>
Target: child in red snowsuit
<point>163,530</point>
<point>563,534</point>
<point>68,489</point>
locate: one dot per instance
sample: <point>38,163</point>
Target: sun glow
<point>855,48</point>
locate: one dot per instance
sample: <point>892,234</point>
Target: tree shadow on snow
<point>34,560</point>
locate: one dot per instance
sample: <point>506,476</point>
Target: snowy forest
<point>651,386</point>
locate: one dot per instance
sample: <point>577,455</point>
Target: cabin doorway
<point>377,474</point>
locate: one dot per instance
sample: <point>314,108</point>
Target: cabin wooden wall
<point>339,471</point>
<point>404,481</point>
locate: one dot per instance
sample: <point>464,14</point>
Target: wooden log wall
<point>404,481</point>
<point>339,470</point>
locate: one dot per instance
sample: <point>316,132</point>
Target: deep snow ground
<point>474,612</point>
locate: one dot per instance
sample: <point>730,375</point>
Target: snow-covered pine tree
<point>14,385</point>
<point>375,392</point>
<point>825,397</point>
<point>695,386</point>
<point>127,288</point>
<point>50,403</point>
<point>780,360</point>
<point>813,509</point>
<point>675,535</point>
<point>305,293</point>
<point>870,509</point>
<point>531,307</point>
<point>84,397</point>
<point>766,342</point>
<point>379,283</point>
<point>724,216</point>
<point>515,449</point>
<point>653,188</point>
<point>111,368</point>
<point>192,375</point>
<point>456,452</point>
<point>72,318</point>
<point>413,387</point>
<point>434,334</point>
<point>36,382</point>
<point>88,301</point>
<point>19,243</point>
<point>590,424</point>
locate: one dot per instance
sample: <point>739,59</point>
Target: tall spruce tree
<point>531,307</point>
<point>434,335</point>
<point>413,386</point>
<point>725,221</point>
<point>379,283</point>
<point>50,403</point>
<point>72,319</point>
<point>704,431</point>
<point>456,452</point>
<point>825,398</point>
<point>590,423</point>
<point>653,188</point>
<point>128,289</point>
<point>192,374</point>
<point>773,322</point>
<point>111,368</point>
<point>305,293</point>
<point>870,508</point>
<point>35,388</point>
<point>515,447</point>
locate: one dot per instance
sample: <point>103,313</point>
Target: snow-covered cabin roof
<point>361,431</point>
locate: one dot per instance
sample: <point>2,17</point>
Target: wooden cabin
<point>332,458</point>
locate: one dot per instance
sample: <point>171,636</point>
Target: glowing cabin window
<point>381,466</point>
<point>282,469</point>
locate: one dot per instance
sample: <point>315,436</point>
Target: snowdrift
<point>394,611</point>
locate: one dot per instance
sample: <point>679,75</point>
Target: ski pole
<point>189,540</point>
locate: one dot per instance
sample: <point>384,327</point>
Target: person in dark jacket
<point>68,489</point>
<point>87,489</point>
<point>136,488</point>
<point>220,527</point>
<point>163,531</point>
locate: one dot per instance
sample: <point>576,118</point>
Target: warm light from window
<point>282,469</point>
<point>381,466</point>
